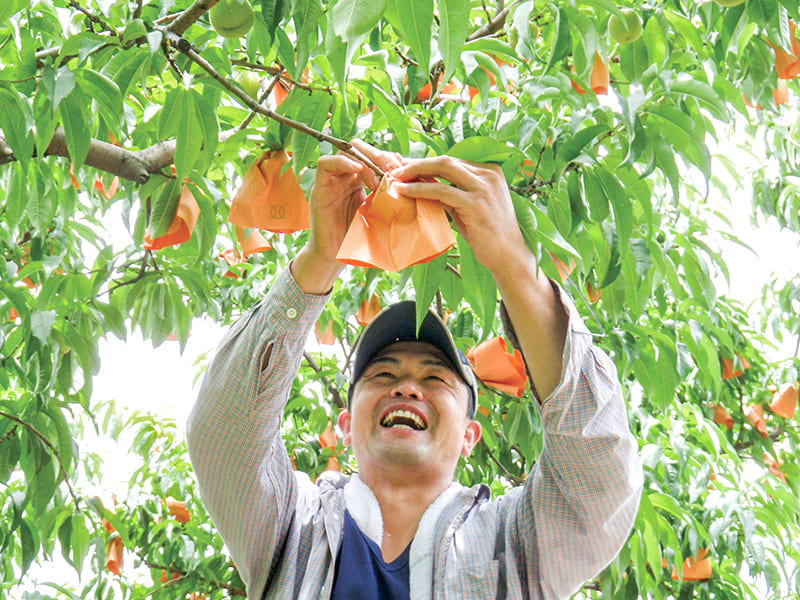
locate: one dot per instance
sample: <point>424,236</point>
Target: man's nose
<point>407,387</point>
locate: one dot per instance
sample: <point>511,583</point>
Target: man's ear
<point>472,435</point>
<point>343,421</point>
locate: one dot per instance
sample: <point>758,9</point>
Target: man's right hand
<point>337,193</point>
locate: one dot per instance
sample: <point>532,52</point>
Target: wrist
<point>313,273</point>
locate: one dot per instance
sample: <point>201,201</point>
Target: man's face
<point>409,411</point>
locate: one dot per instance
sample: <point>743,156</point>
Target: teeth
<point>403,418</point>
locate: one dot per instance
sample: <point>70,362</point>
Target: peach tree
<point>626,132</point>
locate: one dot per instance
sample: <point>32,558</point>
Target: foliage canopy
<point>624,187</point>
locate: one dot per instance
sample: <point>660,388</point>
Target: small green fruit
<point>533,30</point>
<point>250,82</point>
<point>625,30</point>
<point>232,18</point>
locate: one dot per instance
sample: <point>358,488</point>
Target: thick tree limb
<point>133,165</point>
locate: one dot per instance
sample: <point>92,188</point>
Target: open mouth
<point>403,418</point>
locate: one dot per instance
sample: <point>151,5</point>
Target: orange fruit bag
<point>271,198</point>
<point>180,230</point>
<point>498,368</point>
<point>391,231</point>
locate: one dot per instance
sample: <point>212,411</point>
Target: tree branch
<point>186,48</point>
<point>188,17</point>
<point>513,478</point>
<point>133,165</point>
<point>232,590</point>
<point>495,23</point>
<point>52,449</point>
<point>93,18</point>
<point>331,388</point>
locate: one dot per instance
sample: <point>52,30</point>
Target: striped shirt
<point>541,540</point>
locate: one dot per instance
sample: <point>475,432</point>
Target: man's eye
<point>435,378</point>
<point>385,374</point>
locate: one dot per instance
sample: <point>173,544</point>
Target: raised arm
<point>233,432</point>
<point>578,504</point>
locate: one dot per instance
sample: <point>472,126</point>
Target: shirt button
<point>291,313</point>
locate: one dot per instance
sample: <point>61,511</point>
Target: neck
<point>402,505</point>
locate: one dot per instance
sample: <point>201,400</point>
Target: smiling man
<point>401,528</point>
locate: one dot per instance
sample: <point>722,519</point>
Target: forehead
<point>418,351</point>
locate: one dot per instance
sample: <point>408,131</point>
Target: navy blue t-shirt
<point>361,573</point>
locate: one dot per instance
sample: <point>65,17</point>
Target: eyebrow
<point>432,361</point>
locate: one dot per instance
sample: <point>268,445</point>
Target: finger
<point>385,160</point>
<point>460,173</point>
<point>444,193</point>
<point>339,164</point>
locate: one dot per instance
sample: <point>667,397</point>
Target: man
<point>402,528</point>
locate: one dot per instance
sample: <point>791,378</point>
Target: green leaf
<point>481,149</point>
<point>9,8</point>
<point>65,539</point>
<point>189,138</point>
<point>112,319</point>
<point>63,86</point>
<point>562,40</point>
<point>480,290</point>
<point>397,121</point>
<point>526,221</point>
<point>453,30</point>
<point>163,204</point>
<point>572,149</point>
<point>620,200</point>
<point>9,456</point>
<point>29,543</point>
<point>354,18</point>
<point>451,288</point>
<point>103,91</point>
<point>206,226</point>
<point>134,30</point>
<point>74,116</point>
<point>169,114</point>
<point>273,12</point>
<point>16,121</point>
<point>702,92</point>
<point>633,60</point>
<point>416,18</point>
<point>605,5</point>
<point>549,235</point>
<point>206,104</point>
<point>65,447</point>
<point>45,120</point>
<point>313,111</point>
<point>762,11</point>
<point>42,486</point>
<point>677,128</point>
<point>427,279</point>
<point>79,541</point>
<point>42,323</point>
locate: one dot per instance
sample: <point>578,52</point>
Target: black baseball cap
<point>397,323</point>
